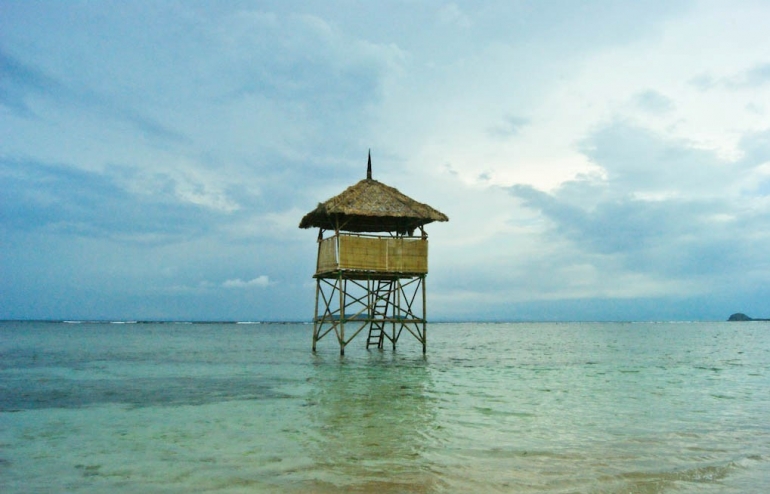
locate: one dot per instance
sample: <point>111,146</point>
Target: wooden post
<point>424,318</point>
<point>343,291</point>
<point>315,317</point>
<point>394,311</point>
<point>396,308</point>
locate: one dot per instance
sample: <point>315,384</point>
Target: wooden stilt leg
<point>343,289</point>
<point>315,317</point>
<point>424,319</point>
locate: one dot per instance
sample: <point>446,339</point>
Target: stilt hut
<point>372,263</point>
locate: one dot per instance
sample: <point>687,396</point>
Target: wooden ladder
<point>379,311</point>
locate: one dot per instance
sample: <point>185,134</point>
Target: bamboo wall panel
<point>411,255</point>
<point>379,254</point>
<point>364,253</point>
<point>327,255</point>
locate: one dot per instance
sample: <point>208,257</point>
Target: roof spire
<point>369,166</point>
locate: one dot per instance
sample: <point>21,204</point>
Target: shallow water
<point>573,407</point>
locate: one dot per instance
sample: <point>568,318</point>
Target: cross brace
<point>385,305</point>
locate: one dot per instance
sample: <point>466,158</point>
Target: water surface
<point>545,407</point>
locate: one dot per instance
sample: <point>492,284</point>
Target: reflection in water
<point>373,424</point>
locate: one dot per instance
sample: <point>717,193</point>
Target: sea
<point>100,407</point>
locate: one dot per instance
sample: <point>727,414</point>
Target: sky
<point>597,160</point>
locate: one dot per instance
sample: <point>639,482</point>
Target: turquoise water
<point>232,408</point>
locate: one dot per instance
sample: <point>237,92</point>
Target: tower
<point>372,263</point>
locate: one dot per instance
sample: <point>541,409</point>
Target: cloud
<point>63,200</point>
<point>510,126</point>
<point>654,102</point>
<point>21,83</point>
<point>704,82</point>
<point>260,282</point>
<point>639,161</point>
<point>290,58</point>
<point>662,207</point>
<point>758,75</point>
<point>754,77</point>
<point>452,14</point>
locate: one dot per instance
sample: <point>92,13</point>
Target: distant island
<point>739,316</point>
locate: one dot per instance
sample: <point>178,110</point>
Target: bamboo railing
<point>372,253</point>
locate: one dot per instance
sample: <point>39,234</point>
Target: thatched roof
<point>371,206</point>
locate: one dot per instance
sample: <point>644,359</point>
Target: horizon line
<point>288,321</point>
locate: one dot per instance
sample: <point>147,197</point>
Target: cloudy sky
<point>598,160</point>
